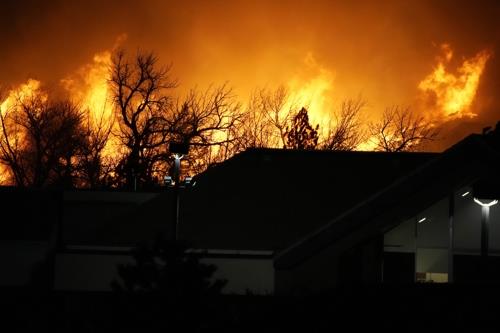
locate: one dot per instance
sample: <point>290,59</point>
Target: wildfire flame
<point>368,145</point>
<point>454,93</point>
<point>89,85</point>
<point>313,91</point>
<point>23,91</point>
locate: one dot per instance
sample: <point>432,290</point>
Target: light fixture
<point>465,194</point>
<point>422,219</point>
<point>178,156</point>
<point>168,181</point>
<point>188,180</point>
<point>485,204</point>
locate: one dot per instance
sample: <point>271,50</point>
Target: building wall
<point>19,260</point>
<point>423,240</point>
<point>467,224</point>
<point>94,272</point>
<point>87,272</point>
<point>329,269</point>
<point>244,275</point>
<point>315,275</point>
<point>104,218</point>
<point>429,241</point>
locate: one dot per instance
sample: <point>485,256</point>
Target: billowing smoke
<point>381,50</point>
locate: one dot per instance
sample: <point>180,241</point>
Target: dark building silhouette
<point>281,221</point>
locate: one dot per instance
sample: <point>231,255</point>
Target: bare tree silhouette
<point>400,129</point>
<point>267,116</point>
<point>94,167</point>
<point>41,140</point>
<point>140,93</point>
<point>347,133</point>
<point>46,142</point>
<point>209,122</point>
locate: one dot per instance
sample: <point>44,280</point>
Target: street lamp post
<point>485,223</point>
<point>178,150</point>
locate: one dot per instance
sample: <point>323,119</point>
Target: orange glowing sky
<point>417,53</point>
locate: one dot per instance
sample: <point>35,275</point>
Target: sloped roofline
<point>283,152</point>
<point>339,228</point>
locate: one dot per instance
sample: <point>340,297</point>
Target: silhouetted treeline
<point>47,141</point>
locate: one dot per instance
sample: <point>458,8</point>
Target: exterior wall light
<point>465,194</point>
<point>422,219</point>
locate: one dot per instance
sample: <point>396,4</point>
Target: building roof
<point>470,160</point>
<point>259,200</point>
<point>267,199</point>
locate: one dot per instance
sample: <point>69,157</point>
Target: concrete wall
<point>244,274</point>
<point>312,276</point>
<point>94,272</point>
<point>401,238</point>
<point>467,224</point>
<point>329,269</point>
<point>87,272</point>
<point>19,259</point>
<point>104,218</point>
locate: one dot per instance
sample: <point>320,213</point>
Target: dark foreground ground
<point>407,309</point>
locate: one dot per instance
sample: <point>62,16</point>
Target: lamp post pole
<point>485,216</point>
<point>178,150</point>
<point>485,223</point>
<point>176,179</point>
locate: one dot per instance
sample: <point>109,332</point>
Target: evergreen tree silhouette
<point>167,286</point>
<point>301,135</point>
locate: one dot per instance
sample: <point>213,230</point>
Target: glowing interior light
<point>465,194</point>
<point>485,204</point>
<point>422,219</point>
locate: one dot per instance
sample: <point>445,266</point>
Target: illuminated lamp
<point>168,181</point>
<point>422,219</point>
<point>482,203</point>
<point>188,181</point>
